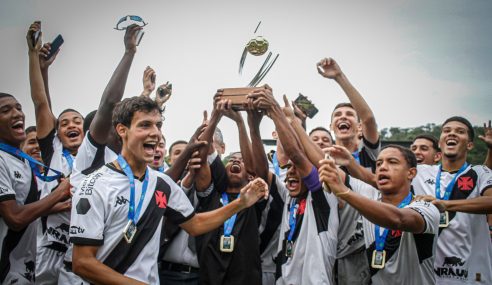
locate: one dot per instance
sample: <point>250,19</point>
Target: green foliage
<point>475,156</point>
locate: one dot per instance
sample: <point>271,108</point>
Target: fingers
<point>286,101</point>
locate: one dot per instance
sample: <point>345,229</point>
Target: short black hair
<point>175,143</point>
<point>406,152</point>
<point>88,120</point>
<point>471,131</point>
<point>66,111</point>
<point>30,129</point>
<point>124,110</point>
<point>345,104</point>
<point>321,129</point>
<point>431,138</point>
<point>2,95</point>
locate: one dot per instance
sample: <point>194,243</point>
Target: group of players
<point>92,200</point>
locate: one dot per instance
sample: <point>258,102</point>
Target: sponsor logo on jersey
<point>450,268</point>
<point>465,183</point>
<point>358,235</point>
<point>76,230</point>
<point>430,181</point>
<point>83,206</point>
<point>120,200</point>
<point>17,175</point>
<point>160,199</point>
<point>88,185</point>
<point>30,267</point>
<point>59,232</point>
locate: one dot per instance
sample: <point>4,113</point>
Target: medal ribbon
<point>32,163</point>
<point>450,187</point>
<point>132,212</point>
<point>381,239</point>
<point>292,218</point>
<point>356,155</point>
<point>69,158</point>
<point>229,224</point>
<point>276,166</point>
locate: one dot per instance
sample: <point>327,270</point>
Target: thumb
<point>286,101</point>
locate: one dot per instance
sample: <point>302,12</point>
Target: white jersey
<point>58,224</point>
<point>100,213</point>
<point>17,248</point>
<point>315,243</point>
<point>351,232</point>
<point>464,251</point>
<point>409,256</point>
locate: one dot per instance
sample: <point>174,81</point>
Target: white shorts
<point>48,264</point>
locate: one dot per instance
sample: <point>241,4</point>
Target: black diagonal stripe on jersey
<point>46,147</point>
<point>425,245</point>
<point>98,161</point>
<point>274,216</point>
<point>391,245</point>
<point>125,254</point>
<point>458,194</point>
<point>13,238</point>
<point>219,175</point>
<point>321,210</point>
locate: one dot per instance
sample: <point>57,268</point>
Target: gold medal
<point>129,231</point>
<point>226,243</point>
<point>444,219</point>
<point>289,249</point>
<point>378,259</point>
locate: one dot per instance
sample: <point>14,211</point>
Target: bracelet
<point>343,193</point>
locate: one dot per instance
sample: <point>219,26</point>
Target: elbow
<point>81,266</point>
<point>17,223</point>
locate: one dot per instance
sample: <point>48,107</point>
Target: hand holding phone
<point>55,46</point>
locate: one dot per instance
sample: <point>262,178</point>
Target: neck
<point>17,145</point>
<point>452,164</point>
<point>349,143</point>
<point>395,198</point>
<point>138,166</point>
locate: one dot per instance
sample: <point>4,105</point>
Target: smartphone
<point>35,35</point>
<point>55,46</point>
<point>306,106</point>
<point>139,36</point>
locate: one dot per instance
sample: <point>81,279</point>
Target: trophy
<point>128,20</point>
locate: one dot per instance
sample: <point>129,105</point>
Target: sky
<point>415,62</point>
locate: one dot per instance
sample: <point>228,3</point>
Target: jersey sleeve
<point>46,147</point>
<point>179,208</point>
<point>6,188</point>
<point>484,179</point>
<point>372,149</point>
<point>88,212</point>
<point>429,213</point>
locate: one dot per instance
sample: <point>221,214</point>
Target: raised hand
<point>328,174</point>
<point>163,93</point>
<point>254,116</point>
<point>263,99</point>
<point>43,54</point>
<point>225,107</point>
<point>329,68</point>
<point>148,81</point>
<point>288,110</point>
<point>34,46</point>
<point>253,191</point>
<point>340,154</point>
<point>130,39</point>
<point>487,137</point>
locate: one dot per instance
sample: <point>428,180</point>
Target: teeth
<point>18,124</point>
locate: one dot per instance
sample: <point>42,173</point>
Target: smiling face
<point>321,138</point>
<point>160,154</point>
<point>236,172</point>
<point>344,123</point>
<point>393,171</point>
<point>70,130</point>
<point>293,181</point>
<point>176,151</point>
<point>454,141</point>
<point>11,121</point>
<point>425,152</point>
<point>141,138</point>
<point>31,147</point>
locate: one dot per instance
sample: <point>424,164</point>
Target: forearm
<point>245,147</point>
<point>260,160</point>
<point>97,272</point>
<point>204,222</point>
<point>359,172</point>
<point>44,117</point>
<point>313,152</point>
<point>208,133</point>
<point>363,110</point>
<point>383,214</point>
<point>179,165</point>
<point>479,205</point>
<point>44,74</point>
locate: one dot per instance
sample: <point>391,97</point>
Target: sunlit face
<point>219,147</point>
<point>392,170</point>
<point>175,152</point>
<point>425,152</point>
<point>321,138</point>
<point>344,123</point>
<point>142,137</point>
<point>11,121</point>
<point>236,171</point>
<point>454,141</point>
<point>31,147</point>
<point>160,154</point>
<point>293,181</point>
<point>70,130</point>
